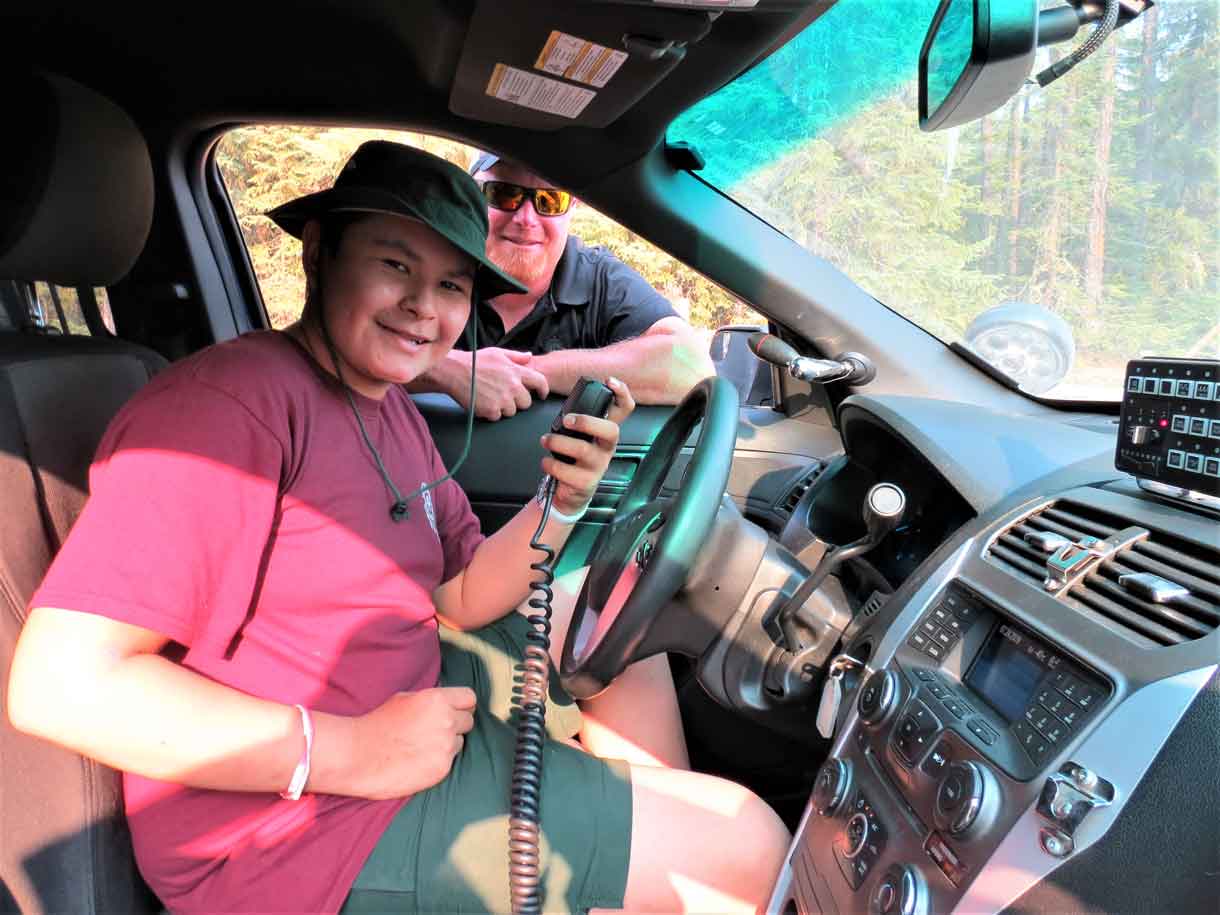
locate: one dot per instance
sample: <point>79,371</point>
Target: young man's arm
<point>497,577</point>
<point>660,365</point>
<point>99,686</point>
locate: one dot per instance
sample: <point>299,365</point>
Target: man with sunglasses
<point>585,311</point>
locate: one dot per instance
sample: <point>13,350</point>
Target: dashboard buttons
<point>877,696</point>
<point>898,892</point>
<point>919,640</point>
<point>830,787</point>
<point>934,650</point>
<point>915,731</point>
<point>982,731</point>
<point>1198,427</point>
<point>1177,458</point>
<point>858,848</point>
<point>1180,424</point>
<point>922,673</point>
<point>1033,743</point>
<point>1194,463</point>
<point>957,708</point>
<point>934,765</point>
<point>1038,717</point>
<point>946,859</point>
<point>855,836</point>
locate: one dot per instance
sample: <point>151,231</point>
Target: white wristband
<point>556,514</point>
<point>300,775</point>
<point>559,516</point>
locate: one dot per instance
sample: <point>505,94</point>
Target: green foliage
<point>821,140</point>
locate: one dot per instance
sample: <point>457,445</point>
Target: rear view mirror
<point>975,57</point>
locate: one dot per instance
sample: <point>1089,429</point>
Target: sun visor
<point>547,64</point>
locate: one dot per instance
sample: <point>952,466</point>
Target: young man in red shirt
<point>245,617</point>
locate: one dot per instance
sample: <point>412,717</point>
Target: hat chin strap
<point>398,508</point>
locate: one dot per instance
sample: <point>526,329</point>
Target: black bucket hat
<point>384,177</point>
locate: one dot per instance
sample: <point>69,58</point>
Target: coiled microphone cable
<point>524,823</point>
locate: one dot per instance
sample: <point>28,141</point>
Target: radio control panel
<point>1001,689</point>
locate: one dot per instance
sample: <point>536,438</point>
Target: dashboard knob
<point>876,699</point>
<point>855,837</point>
<point>898,892</point>
<point>966,799</point>
<point>830,786</point>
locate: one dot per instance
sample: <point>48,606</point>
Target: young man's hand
<point>408,743</point>
<point>576,482</point>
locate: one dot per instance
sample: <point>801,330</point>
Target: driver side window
<point>265,165</point>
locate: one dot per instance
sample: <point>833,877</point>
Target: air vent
<point>1161,590</point>
<point>794,495</point>
<point>1016,549</point>
<point>1186,612</point>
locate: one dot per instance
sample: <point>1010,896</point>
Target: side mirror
<point>735,363</point>
<point>975,57</point>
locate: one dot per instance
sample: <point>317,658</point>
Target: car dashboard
<point>1025,720</point>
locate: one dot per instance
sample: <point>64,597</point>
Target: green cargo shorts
<point>447,850</point>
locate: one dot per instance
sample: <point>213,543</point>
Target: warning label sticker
<point>538,92</point>
<point>579,60</point>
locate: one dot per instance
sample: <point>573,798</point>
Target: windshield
<point>1071,230</point>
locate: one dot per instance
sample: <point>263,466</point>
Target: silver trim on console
<point>1121,747</point>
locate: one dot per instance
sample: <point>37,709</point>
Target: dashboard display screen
<point>1008,670</point>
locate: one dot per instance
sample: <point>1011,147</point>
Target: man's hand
<point>408,743</point>
<point>576,482</point>
<point>507,382</point>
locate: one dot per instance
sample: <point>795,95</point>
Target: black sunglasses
<point>548,201</point>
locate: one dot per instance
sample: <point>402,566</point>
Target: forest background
<point>1095,197</point>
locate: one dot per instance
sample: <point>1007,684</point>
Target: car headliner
<point>377,62</point>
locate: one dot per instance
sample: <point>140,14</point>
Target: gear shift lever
<point>883,507</point>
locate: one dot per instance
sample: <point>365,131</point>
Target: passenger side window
<point>263,166</point>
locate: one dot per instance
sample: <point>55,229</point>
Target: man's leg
<point>637,717</point>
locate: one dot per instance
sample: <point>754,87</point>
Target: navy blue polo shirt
<point>594,300</point>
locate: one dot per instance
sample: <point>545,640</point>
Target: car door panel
<point>774,454</point>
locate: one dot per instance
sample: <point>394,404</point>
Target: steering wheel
<point>645,553</point>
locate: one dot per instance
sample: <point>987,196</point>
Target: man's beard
<point>526,265</point>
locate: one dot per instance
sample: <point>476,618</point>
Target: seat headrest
<point>76,184</point>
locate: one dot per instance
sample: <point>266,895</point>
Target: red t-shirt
<point>235,509</point>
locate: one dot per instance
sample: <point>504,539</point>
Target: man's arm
<point>507,381</point>
<point>659,366</point>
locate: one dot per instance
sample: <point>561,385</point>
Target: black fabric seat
<point>79,215</point>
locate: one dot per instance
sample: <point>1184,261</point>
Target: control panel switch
<point>1069,796</point>
<point>1055,843</point>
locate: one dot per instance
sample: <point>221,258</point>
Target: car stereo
<point>1169,428</point>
